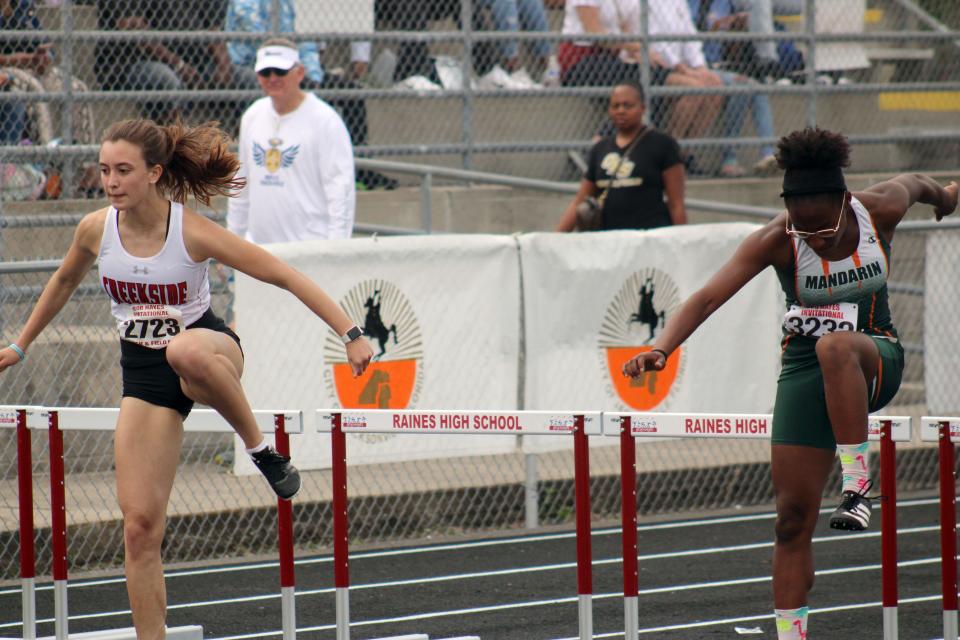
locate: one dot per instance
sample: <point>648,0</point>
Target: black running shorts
<point>148,377</point>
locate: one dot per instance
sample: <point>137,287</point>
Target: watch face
<point>354,333</point>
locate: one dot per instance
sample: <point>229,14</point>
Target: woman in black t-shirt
<point>647,165</point>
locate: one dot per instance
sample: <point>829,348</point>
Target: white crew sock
<point>792,623</point>
<point>853,462</point>
<point>260,447</point>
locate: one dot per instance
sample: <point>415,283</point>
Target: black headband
<point>804,182</point>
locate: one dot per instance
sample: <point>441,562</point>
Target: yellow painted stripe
<point>920,101</point>
<point>870,16</point>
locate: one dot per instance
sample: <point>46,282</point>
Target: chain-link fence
<point>510,85</point>
<point>439,83</point>
<point>74,363</point>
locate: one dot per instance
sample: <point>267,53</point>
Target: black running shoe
<point>853,514</point>
<point>283,477</point>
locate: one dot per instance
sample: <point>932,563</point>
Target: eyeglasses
<point>822,233</point>
<point>265,73</point>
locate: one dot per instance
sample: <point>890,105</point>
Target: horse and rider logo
<point>638,312</point>
<point>395,375</point>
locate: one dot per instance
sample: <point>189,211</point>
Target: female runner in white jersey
<point>841,354</point>
<point>153,259</point>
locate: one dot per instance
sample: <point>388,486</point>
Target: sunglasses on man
<point>266,73</point>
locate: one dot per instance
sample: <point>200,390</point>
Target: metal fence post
<point>810,30</point>
<point>426,202</point>
<point>531,491</point>
<point>66,111</point>
<point>644,65</point>
<point>466,66</point>
<point>274,18</point>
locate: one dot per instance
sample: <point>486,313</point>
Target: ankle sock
<point>260,447</point>
<point>792,623</point>
<point>853,462</point>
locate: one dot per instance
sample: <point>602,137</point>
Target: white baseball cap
<point>276,57</point>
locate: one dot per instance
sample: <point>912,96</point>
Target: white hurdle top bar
<point>725,425</point>
<point>930,428</point>
<point>36,419</point>
<point>500,423</point>
<point>199,421</point>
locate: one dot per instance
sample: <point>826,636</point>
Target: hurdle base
<point>950,631</point>
<point>193,632</point>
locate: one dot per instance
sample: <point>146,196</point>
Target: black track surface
<point>702,576</point>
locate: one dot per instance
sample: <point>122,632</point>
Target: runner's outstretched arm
<point>752,257</point>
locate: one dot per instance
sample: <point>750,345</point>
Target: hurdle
<point>945,432</point>
<point>578,424</point>
<point>58,420</point>
<point>22,419</point>
<point>631,425</point>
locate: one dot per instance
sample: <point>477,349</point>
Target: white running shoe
<point>853,514</point>
<point>522,78</point>
<point>417,83</point>
<point>498,78</point>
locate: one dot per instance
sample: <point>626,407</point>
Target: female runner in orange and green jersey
<point>841,355</point>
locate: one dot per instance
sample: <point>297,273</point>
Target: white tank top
<point>865,272</point>
<point>153,298</point>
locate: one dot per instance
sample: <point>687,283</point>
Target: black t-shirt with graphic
<point>635,200</point>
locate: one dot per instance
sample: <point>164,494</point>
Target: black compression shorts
<point>148,377</point>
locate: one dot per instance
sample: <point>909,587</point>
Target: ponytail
<point>196,160</point>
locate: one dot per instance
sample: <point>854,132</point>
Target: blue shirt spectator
<point>254,16</point>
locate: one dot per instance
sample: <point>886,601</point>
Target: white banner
<point>441,313</point>
<point>592,301</point>
<point>941,308</point>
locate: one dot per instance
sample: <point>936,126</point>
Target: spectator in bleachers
<point>735,110</point>
<point>295,156</point>
<point>762,59</point>
<point>152,64</point>
<point>597,63</point>
<point>29,55</point>
<point>682,64</point>
<point>835,60</point>
<point>414,68</point>
<point>769,58</point>
<point>634,177</point>
<point>254,16</point>
<point>516,15</point>
<point>13,115</point>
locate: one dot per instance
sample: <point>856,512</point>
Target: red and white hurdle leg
<point>58,518</point>
<point>888,529</point>
<point>948,532</point>
<point>581,454</point>
<point>28,568</point>
<point>628,508</point>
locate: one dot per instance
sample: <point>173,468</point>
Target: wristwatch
<point>352,334</point>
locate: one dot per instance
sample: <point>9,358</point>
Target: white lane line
<point>273,564</point>
<point>475,610</point>
<point>668,555</point>
<point>649,591</point>
<point>767,616</point>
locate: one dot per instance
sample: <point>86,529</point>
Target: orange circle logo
<point>395,376</point>
<point>636,315</point>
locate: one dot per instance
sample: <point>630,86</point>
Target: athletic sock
<point>853,462</point>
<point>792,623</point>
<point>260,447</point>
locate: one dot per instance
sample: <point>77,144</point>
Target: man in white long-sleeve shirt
<point>296,156</point>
